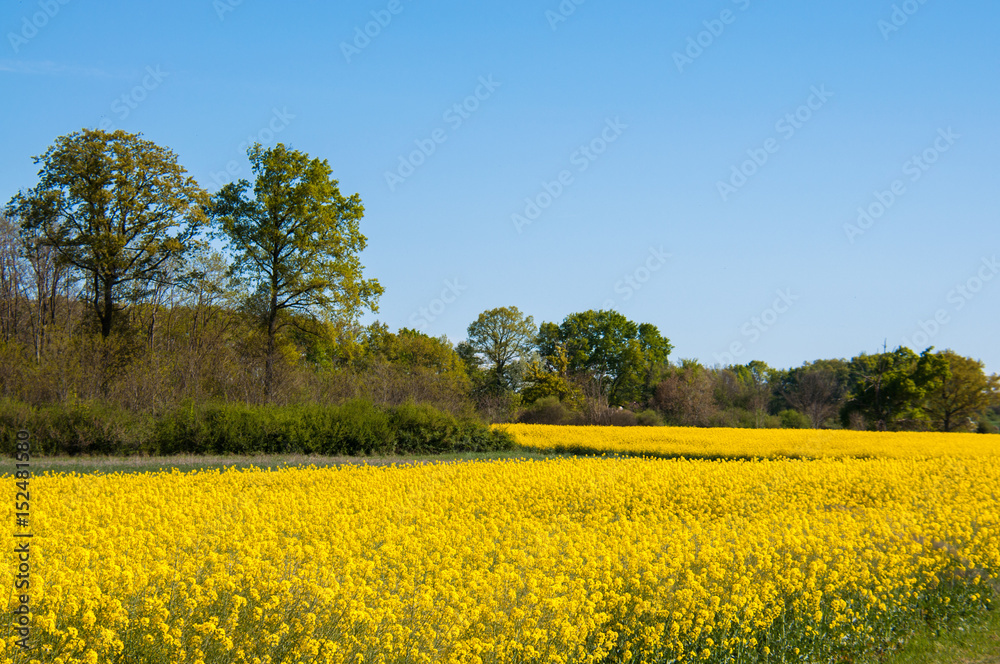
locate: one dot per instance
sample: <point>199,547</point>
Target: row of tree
<point>594,360</point>
<point>111,290</point>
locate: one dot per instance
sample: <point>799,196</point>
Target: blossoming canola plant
<point>750,443</point>
<point>574,560</point>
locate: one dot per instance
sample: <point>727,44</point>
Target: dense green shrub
<point>74,428</point>
<point>549,410</point>
<point>622,417</point>
<point>649,418</point>
<point>354,428</point>
<point>793,419</point>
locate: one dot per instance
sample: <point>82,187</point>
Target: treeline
<point>130,296</point>
<point>123,329</point>
<point>597,367</point>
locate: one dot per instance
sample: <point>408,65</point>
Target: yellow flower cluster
<point>693,442</point>
<point>570,560</point>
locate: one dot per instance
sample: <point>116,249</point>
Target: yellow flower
<point>564,560</point>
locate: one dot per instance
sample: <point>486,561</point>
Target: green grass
<point>189,462</point>
<point>967,642</point>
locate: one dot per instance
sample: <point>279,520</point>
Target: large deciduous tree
<point>500,340</point>
<point>963,393</point>
<point>888,388</point>
<point>117,208</point>
<point>619,355</point>
<point>295,243</point>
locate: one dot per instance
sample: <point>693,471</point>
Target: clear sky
<point>695,165</point>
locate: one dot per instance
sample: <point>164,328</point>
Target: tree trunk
<point>105,313</point>
<point>272,328</point>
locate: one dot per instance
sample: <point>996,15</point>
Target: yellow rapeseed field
<point>569,560</point>
<point>751,443</point>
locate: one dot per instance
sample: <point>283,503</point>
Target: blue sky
<point>699,166</point>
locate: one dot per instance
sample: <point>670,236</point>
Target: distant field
<point>750,443</point>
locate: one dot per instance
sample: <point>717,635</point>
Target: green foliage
<point>391,369</point>
<point>816,389</point>
<point>295,244</point>
<point>616,353</point>
<point>990,421</point>
<point>117,208</point>
<point>75,428</point>
<point>962,395</point>
<point>746,392</point>
<point>501,340</point>
<point>793,419</point>
<point>888,389</point>
<point>552,380</point>
<point>685,395</point>
<point>422,428</point>
<point>549,410</point>
<point>354,428</point>
<point>622,417</point>
<point>298,239</point>
<point>414,353</point>
<point>648,418</point>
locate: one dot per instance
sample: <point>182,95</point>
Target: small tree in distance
<point>501,338</point>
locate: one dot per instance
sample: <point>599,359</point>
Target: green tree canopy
<point>888,389</point>
<point>117,208</point>
<point>413,351</point>
<point>295,243</point>
<point>500,340</point>
<point>963,393</point>
<point>552,379</point>
<point>618,354</point>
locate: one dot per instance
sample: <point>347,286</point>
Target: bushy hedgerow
<point>354,428</point>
